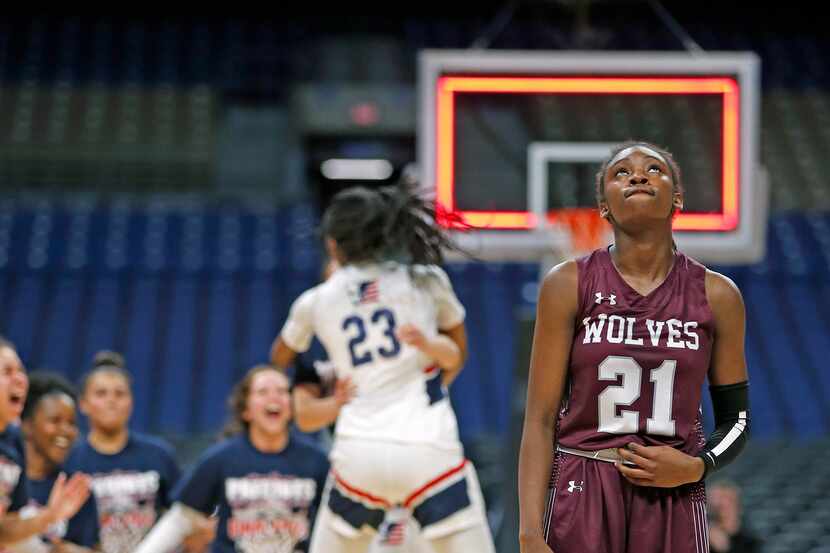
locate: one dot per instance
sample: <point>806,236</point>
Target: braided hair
<point>391,222</point>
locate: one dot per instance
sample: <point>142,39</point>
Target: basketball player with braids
<point>392,325</point>
<point>624,339</point>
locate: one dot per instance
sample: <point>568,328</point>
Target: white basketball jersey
<point>355,315</point>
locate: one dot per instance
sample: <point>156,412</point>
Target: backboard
<point>508,139</point>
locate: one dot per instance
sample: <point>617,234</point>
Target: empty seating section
<point>134,104</point>
<point>88,103</point>
<point>183,290</point>
<point>193,293</point>
<point>262,56</point>
<point>784,487</point>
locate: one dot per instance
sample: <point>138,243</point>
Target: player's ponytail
<point>388,223</point>
<point>356,220</point>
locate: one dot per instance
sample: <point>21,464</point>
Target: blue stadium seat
<point>62,339</point>
<point>103,318</point>
<point>215,375</point>
<point>194,294</point>
<point>177,389</point>
<point>25,299</point>
<point>144,325</point>
<point>260,318</point>
<point>799,399</point>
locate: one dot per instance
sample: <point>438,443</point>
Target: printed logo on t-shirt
<point>269,512</point>
<point>126,504</point>
<point>9,476</point>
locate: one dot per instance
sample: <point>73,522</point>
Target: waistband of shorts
<point>609,455</point>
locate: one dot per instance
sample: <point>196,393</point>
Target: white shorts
<point>438,486</point>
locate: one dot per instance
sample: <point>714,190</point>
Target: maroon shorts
<point>591,507</point>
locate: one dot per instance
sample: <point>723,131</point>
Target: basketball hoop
<point>584,228</point>
<point>572,232</point>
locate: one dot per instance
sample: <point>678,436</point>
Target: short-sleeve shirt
<point>266,500</point>
<point>129,488</point>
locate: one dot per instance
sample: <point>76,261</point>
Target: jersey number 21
<point>627,422</point>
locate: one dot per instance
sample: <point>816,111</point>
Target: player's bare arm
<point>552,338</point>
<point>666,467</point>
<point>448,349</point>
<point>68,547</point>
<point>282,356</point>
<point>458,335</point>
<point>201,536</point>
<point>728,354</point>
<point>312,411</point>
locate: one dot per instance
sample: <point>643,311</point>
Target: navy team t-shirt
<point>85,534</point>
<point>266,501</point>
<point>130,488</point>
<point>14,492</point>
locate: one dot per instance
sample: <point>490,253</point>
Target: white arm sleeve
<point>450,311</point>
<point>299,328</point>
<point>170,531</point>
<point>31,545</point>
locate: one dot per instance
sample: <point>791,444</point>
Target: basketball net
<point>580,230</point>
<point>585,229</point>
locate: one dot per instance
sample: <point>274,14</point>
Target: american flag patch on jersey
<point>366,292</point>
<point>393,533</point>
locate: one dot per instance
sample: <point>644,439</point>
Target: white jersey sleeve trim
<point>450,311</point>
<point>298,329</point>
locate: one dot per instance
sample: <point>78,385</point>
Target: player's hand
<point>412,335</point>
<point>67,497</point>
<point>203,534</point>
<point>659,466</point>
<point>60,546</point>
<point>534,545</point>
<point>719,540</point>
<point>344,391</point>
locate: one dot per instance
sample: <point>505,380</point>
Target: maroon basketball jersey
<point>638,362</point>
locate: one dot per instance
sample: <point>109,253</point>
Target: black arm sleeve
<point>731,406</point>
